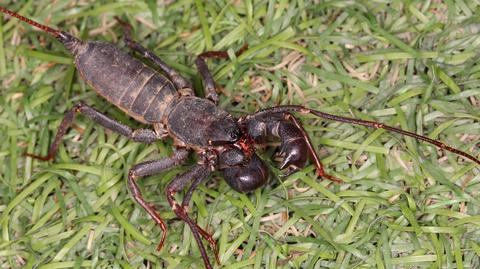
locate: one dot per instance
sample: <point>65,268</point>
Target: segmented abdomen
<point>126,82</point>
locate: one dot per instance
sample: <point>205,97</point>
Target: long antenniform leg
<point>139,135</point>
<point>371,124</point>
<point>195,176</point>
<point>150,168</point>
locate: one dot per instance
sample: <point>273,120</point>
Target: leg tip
<point>322,173</point>
<point>38,157</point>
<point>164,236</point>
<point>160,245</point>
<point>217,259</point>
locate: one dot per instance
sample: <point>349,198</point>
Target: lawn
<point>402,203</point>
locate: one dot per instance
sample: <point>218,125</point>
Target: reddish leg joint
<point>181,212</point>
<point>149,208</point>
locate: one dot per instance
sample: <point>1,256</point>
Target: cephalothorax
<point>167,103</point>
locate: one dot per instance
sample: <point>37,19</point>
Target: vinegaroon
<point>166,101</point>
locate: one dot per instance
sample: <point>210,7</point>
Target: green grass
<point>403,203</point>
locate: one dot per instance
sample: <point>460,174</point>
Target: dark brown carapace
<point>165,101</point>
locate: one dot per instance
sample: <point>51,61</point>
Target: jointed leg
<point>186,200</point>
<point>150,168</point>
<point>366,123</point>
<point>177,79</point>
<point>211,92</point>
<point>139,135</point>
<point>316,161</point>
<point>195,176</point>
